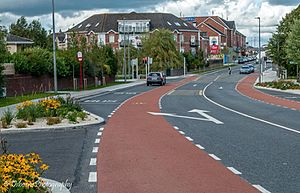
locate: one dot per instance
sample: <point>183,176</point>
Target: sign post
<point>80,59</point>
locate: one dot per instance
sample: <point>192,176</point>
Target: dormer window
<point>177,24</point>
<point>88,25</point>
<point>169,23</point>
<point>185,24</point>
<point>97,24</point>
<point>80,26</point>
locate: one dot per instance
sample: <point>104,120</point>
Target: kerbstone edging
<point>98,120</point>
<point>57,187</point>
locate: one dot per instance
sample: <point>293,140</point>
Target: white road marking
<point>203,113</point>
<point>93,161</point>
<point>95,149</point>
<point>99,133</point>
<point>217,78</point>
<point>245,115</point>
<point>190,139</point>
<point>101,129</point>
<point>214,157</point>
<point>200,92</point>
<point>176,128</point>
<point>195,85</point>
<point>169,93</point>
<point>109,116</point>
<point>260,188</point>
<point>199,146</point>
<point>97,140</point>
<point>181,132</point>
<point>234,170</point>
<point>92,177</point>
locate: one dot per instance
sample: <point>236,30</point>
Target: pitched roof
<point>215,29</point>
<point>10,38</point>
<point>109,21</point>
<point>239,33</point>
<point>61,36</point>
<point>230,24</point>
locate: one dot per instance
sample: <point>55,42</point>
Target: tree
<point>293,44</point>
<point>33,31</point>
<point>2,57</point>
<point>161,46</point>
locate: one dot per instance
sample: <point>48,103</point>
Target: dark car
<point>156,78</point>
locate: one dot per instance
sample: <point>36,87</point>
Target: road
<point>266,155</point>
<point>68,152</point>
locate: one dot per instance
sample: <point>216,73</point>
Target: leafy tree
<point>3,56</point>
<point>293,44</point>
<point>160,45</point>
<point>33,31</point>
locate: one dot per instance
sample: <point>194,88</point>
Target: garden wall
<point>25,84</point>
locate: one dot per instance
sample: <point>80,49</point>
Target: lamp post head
<point>257,18</point>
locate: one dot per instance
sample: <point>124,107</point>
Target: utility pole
<point>259,51</point>
<point>54,48</point>
<point>124,61</point>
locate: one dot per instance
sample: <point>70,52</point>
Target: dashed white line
<point>199,146</point>
<point>190,139</point>
<point>97,140</point>
<point>214,157</point>
<point>181,132</point>
<point>245,115</point>
<point>194,85</point>
<point>99,133</point>
<point>101,129</point>
<point>260,188</point>
<point>234,170</point>
<point>92,177</point>
<point>93,161</point>
<point>176,128</point>
<point>95,149</point>
<point>109,116</point>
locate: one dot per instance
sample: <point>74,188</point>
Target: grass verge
<point>18,99</point>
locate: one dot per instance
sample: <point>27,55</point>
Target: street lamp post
<point>124,40</point>
<point>54,49</point>
<point>259,51</point>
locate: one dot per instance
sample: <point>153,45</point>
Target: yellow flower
<point>44,167</point>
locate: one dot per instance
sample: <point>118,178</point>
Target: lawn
<point>18,99</point>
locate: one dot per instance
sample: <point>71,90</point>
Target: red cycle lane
<point>245,87</point>
<point>142,153</point>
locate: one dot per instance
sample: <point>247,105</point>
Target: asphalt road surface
<point>248,135</point>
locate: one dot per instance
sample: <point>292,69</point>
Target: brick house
<point>219,31</point>
<point>109,28</point>
<point>16,43</point>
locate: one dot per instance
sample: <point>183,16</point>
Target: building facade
<point>16,43</point>
<point>119,29</point>
<point>220,33</point>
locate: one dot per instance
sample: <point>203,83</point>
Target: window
<point>177,24</point>
<point>185,24</point>
<point>203,34</point>
<point>181,38</point>
<point>111,38</point>
<point>175,37</point>
<point>80,26</point>
<point>88,25</point>
<point>169,23</point>
<point>193,39</point>
<point>97,24</point>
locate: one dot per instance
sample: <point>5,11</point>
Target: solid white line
<point>217,78</point>
<point>169,93</point>
<point>199,146</point>
<point>176,128</point>
<point>190,139</point>
<point>181,132</point>
<point>99,133</point>
<point>92,177</point>
<point>245,115</point>
<point>214,157</point>
<point>234,170</point>
<point>101,129</point>
<point>95,149</point>
<point>97,140</point>
<point>93,161</point>
<point>260,188</point>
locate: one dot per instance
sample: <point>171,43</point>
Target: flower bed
<point>283,85</point>
<point>49,111</point>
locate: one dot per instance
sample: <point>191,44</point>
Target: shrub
<point>53,120</point>
<point>50,105</point>
<point>82,115</point>
<point>21,173</point>
<point>21,125</point>
<point>72,117</point>
<point>30,111</point>
<point>283,85</point>
<point>4,124</point>
<point>70,103</point>
<point>8,116</point>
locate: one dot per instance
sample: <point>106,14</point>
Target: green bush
<point>8,116</point>
<point>72,116</point>
<point>70,103</point>
<point>283,85</point>
<point>82,115</point>
<point>31,112</point>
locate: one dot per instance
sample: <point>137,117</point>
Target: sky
<point>72,12</point>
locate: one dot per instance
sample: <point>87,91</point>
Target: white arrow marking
<point>179,116</point>
<point>203,113</point>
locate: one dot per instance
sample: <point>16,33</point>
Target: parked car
<point>245,70</point>
<point>156,78</point>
